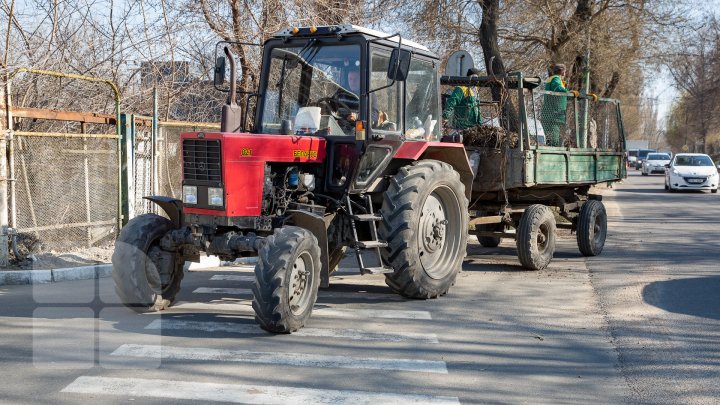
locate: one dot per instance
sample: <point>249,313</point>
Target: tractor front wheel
<point>146,277</point>
<point>287,277</point>
<point>425,222</point>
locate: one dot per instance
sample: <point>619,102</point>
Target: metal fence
<point>67,168</point>
<point>66,189</point>
<point>163,174</point>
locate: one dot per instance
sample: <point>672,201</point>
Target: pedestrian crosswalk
<point>247,328</point>
<point>289,359</point>
<point>240,393</point>
<point>226,308</point>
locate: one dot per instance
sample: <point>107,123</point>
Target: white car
<point>691,171</point>
<point>655,163</point>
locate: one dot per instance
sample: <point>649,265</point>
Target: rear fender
<point>451,153</point>
<point>171,206</point>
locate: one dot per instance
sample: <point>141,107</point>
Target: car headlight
<point>190,194</point>
<point>215,196</point>
<point>675,172</point>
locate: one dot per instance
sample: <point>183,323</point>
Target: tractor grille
<point>201,160</point>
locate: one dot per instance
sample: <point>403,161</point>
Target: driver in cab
<point>350,103</point>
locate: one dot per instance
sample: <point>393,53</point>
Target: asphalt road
<point>638,324</point>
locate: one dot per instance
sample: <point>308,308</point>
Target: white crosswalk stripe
<point>225,291</point>
<point>321,294</point>
<point>246,328</point>
<point>289,359</point>
<point>236,393</point>
<point>353,313</point>
<point>231,277</point>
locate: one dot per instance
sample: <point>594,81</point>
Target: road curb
<point>103,270</point>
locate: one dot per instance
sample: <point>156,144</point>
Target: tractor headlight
<point>190,194</point>
<point>215,196</point>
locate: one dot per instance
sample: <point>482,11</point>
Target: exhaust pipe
<point>231,115</point>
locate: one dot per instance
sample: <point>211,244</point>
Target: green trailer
<point>521,185</point>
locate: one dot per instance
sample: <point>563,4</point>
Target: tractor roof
<point>344,29</point>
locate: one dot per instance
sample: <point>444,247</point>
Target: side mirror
<point>667,165</point>
<point>399,65</point>
<point>219,78</point>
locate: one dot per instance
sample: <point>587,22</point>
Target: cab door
<point>383,135</point>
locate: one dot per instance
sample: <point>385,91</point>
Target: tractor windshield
<point>312,90</point>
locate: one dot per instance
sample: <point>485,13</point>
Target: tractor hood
<point>235,164</point>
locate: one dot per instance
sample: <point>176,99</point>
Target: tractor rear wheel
<point>287,277</point>
<point>146,277</point>
<point>425,222</point>
<point>536,237</point>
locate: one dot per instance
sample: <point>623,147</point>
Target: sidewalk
<point>101,270</point>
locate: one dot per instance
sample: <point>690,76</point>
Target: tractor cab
<point>347,81</point>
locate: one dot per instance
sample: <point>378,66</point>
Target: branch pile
<point>489,137</point>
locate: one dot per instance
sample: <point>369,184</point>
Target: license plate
<point>696,181</point>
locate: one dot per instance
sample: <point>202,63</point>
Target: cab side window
<point>384,110</point>
<point>422,110</point>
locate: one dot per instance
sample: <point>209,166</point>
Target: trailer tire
<point>146,277</point>
<point>592,228</point>
<point>425,222</point>
<point>291,254</point>
<point>536,237</point>
<point>487,241</point>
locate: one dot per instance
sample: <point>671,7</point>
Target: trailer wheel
<point>592,228</point>
<point>287,277</point>
<point>536,237</point>
<point>425,222</point>
<point>146,277</point>
<point>487,241</point>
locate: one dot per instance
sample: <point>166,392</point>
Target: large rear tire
<point>146,277</point>
<point>592,228</point>
<point>536,237</point>
<point>287,278</point>
<point>425,222</point>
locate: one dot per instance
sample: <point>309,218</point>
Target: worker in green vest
<point>462,108</point>
<point>553,113</point>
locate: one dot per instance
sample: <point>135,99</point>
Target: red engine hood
<point>243,166</point>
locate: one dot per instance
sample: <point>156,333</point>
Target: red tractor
<point>345,152</point>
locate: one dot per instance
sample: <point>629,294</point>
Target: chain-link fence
<point>164,175</point>
<point>67,184</point>
<point>66,189</point>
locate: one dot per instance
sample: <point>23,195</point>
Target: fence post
<point>153,146</point>
<point>5,128</point>
<point>127,149</point>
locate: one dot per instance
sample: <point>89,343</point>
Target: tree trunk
<point>494,64</point>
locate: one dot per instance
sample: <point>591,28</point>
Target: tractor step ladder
<point>371,218</point>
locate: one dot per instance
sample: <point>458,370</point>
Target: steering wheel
<point>333,102</point>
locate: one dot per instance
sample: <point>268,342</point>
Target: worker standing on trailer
<point>554,107</point>
<point>463,106</point>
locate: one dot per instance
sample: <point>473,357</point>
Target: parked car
<point>632,157</point>
<point>691,171</point>
<point>642,154</point>
<point>655,163</point>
